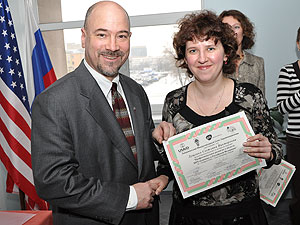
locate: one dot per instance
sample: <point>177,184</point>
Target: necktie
<point>122,116</point>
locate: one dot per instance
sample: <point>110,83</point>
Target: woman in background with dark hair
<point>288,102</point>
<point>206,48</point>
<point>249,68</point>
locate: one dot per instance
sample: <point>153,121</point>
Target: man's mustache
<point>112,53</point>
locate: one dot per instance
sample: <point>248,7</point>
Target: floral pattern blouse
<point>247,98</point>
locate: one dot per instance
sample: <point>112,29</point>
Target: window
<point>73,10</point>
<point>151,61</point>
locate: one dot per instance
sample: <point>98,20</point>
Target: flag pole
<point>22,199</point>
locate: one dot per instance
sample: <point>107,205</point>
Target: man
<point>82,163</point>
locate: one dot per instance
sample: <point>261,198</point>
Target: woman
<point>288,102</point>
<point>206,48</point>
<point>250,68</point>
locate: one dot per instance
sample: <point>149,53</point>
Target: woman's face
<point>237,28</point>
<point>205,59</point>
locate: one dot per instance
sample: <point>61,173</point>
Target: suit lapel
<point>101,111</point>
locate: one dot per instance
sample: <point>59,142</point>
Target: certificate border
<point>201,131</point>
<point>283,186</point>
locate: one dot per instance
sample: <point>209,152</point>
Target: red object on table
<point>42,217</point>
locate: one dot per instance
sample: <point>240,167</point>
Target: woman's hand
<point>161,182</point>
<point>259,146</point>
<point>163,131</point>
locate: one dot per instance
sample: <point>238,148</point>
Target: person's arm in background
<point>286,102</point>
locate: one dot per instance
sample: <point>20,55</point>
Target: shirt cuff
<point>132,200</point>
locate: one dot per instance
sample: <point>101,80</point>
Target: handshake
<point>147,190</point>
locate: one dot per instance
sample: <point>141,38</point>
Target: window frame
<point>135,21</point>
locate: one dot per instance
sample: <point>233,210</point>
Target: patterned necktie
<point>122,116</point>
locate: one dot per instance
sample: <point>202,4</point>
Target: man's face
<point>106,40</point>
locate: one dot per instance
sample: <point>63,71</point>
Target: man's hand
<point>145,192</point>
<point>161,182</point>
<point>163,131</point>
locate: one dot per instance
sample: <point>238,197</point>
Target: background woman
<point>288,102</point>
<point>206,48</point>
<point>250,68</point>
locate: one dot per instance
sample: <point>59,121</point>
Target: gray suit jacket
<point>251,70</point>
<point>82,163</point>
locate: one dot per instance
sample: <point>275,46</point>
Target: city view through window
<point>151,60</point>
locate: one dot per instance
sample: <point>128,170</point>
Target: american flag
<point>15,120</point>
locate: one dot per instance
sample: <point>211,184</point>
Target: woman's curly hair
<point>248,27</point>
<point>205,25</point>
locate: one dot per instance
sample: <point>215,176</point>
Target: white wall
<point>276,23</point>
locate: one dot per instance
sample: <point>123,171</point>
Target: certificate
<point>273,181</point>
<point>211,154</point>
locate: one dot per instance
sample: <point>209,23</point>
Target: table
<point>42,217</point>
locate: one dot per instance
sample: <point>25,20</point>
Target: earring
<point>225,62</point>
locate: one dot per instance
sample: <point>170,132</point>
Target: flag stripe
<point>15,102</point>
<point>15,131</point>
<point>15,160</point>
<point>14,116</point>
<point>15,145</point>
<point>19,179</point>
<point>49,78</point>
<point>11,187</point>
<point>37,72</point>
<point>40,51</point>
<point>41,68</point>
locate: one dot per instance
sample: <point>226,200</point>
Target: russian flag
<point>39,64</point>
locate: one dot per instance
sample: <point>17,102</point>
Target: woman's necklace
<point>217,105</point>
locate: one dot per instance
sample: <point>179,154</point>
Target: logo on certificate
<point>209,137</point>
<point>231,129</point>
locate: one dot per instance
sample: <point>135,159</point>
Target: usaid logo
<point>183,147</point>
